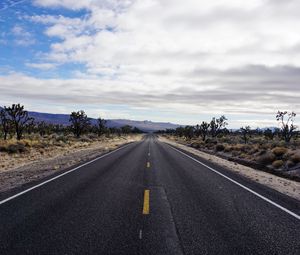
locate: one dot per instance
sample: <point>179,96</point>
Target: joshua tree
<point>204,128</point>
<point>5,123</point>
<point>217,125</point>
<point>245,133</point>
<point>79,122</point>
<point>101,126</point>
<point>19,118</point>
<point>286,121</point>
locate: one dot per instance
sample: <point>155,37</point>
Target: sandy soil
<point>18,169</point>
<point>288,187</point>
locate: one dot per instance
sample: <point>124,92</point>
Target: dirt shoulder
<point>288,187</point>
<point>19,169</point>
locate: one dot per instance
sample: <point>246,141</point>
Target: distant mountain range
<point>146,125</point>
<point>63,119</point>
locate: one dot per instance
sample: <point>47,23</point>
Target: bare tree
<point>79,122</point>
<point>19,118</point>
<point>286,121</point>
<point>245,133</point>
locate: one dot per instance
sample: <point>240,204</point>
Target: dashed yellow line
<point>148,164</point>
<point>146,207</point>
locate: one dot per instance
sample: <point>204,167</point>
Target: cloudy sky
<point>161,60</point>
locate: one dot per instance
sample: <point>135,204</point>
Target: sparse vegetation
<point>272,148</point>
<point>20,133</point>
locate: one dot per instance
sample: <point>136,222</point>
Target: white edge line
<point>241,185</point>
<point>58,176</point>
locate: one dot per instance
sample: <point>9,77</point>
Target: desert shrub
<point>92,136</point>
<point>228,149</point>
<point>245,148</point>
<point>290,163</point>
<point>243,155</point>
<point>196,145</point>
<point>235,153</point>
<point>258,140</point>
<point>59,144</point>
<point>26,142</point>
<point>266,158</point>
<point>296,158</point>
<point>61,138</point>
<point>279,151</point>
<point>16,148</point>
<point>85,139</point>
<point>253,151</point>
<point>225,139</point>
<point>220,147</point>
<point>262,152</point>
<point>264,146</point>
<point>41,145</point>
<point>53,136</point>
<point>211,141</point>
<point>238,147</point>
<point>3,148</point>
<point>277,163</point>
<point>69,136</point>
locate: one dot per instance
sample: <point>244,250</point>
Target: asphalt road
<point>148,198</point>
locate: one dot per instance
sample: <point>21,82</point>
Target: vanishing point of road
<point>148,198</point>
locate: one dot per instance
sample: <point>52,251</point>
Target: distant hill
<point>63,119</point>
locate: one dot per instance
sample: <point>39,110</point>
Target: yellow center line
<point>148,164</point>
<point>146,206</point>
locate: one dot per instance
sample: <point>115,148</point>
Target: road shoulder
<point>21,177</point>
<point>287,187</point>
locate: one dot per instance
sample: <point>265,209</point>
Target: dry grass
<point>274,154</point>
<point>267,158</point>
<point>46,156</point>
<point>295,158</point>
<point>277,164</point>
<point>15,153</point>
<point>279,151</point>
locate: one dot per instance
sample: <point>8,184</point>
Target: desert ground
<point>34,158</point>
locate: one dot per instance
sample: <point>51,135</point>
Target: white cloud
<point>42,66</point>
<point>22,37</point>
<point>192,56</point>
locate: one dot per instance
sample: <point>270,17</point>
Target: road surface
<point>149,198</point>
